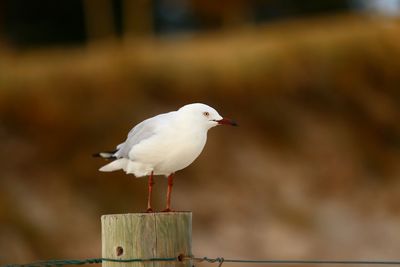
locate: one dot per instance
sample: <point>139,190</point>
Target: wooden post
<point>147,235</point>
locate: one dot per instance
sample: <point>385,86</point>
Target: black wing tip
<point>108,155</point>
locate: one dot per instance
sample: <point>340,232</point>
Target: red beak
<point>226,121</point>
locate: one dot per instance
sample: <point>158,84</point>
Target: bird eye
<point>206,114</point>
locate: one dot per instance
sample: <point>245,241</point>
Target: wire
<point>219,260</point>
<point>57,263</point>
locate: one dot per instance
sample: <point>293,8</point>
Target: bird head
<point>204,115</point>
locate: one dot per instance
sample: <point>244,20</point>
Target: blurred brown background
<point>312,172</point>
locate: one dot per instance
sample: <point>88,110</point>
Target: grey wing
<point>140,132</point>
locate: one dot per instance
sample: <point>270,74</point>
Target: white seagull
<point>164,144</point>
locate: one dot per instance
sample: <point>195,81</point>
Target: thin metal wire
<point>140,260</point>
<point>50,263</point>
<point>219,260</point>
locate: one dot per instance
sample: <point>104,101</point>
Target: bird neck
<point>190,124</point>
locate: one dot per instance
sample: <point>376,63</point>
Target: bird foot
<point>149,210</point>
<point>168,210</point>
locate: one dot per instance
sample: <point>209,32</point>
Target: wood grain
<point>146,235</point>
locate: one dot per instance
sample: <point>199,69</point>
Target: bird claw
<point>168,210</point>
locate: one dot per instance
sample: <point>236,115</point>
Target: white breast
<point>169,152</point>
<point>185,151</point>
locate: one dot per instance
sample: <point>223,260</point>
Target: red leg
<point>151,183</point>
<point>169,190</point>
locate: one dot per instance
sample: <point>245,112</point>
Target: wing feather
<point>142,131</point>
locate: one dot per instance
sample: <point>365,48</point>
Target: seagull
<point>164,144</point>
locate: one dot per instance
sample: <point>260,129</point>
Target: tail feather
<point>115,165</point>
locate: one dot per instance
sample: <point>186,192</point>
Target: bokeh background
<point>312,172</point>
